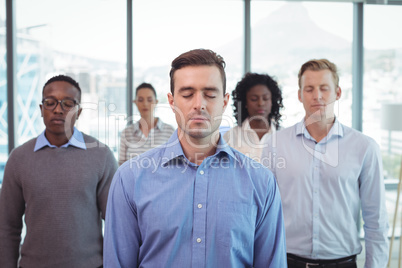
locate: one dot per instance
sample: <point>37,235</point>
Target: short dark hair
<point>65,78</point>
<point>240,97</point>
<point>198,57</point>
<point>319,65</point>
<point>145,85</point>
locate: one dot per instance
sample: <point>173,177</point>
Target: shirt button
<point>199,205</point>
<point>202,172</point>
<point>198,240</point>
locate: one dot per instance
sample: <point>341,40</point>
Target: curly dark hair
<point>240,97</point>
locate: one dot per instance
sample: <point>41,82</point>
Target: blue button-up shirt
<point>322,186</point>
<point>76,140</point>
<point>164,211</point>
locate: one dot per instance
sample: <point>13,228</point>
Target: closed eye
<point>210,96</point>
<point>187,95</point>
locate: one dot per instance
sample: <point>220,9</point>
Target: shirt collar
<point>175,151</point>
<point>246,126</point>
<point>336,129</point>
<point>77,140</point>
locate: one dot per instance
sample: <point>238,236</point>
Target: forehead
<point>60,89</point>
<point>145,92</point>
<point>198,77</point>
<point>259,90</point>
<point>320,77</point>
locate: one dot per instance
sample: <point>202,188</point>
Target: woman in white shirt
<point>147,133</point>
<point>257,100</point>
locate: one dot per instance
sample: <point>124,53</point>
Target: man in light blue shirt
<point>194,202</point>
<point>325,170</point>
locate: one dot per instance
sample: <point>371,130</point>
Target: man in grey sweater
<point>60,182</point>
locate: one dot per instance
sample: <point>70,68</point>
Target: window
<point>87,41</point>
<point>161,34</point>
<point>3,91</point>
<point>382,86</point>
<point>287,34</point>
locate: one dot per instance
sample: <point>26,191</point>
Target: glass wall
<point>84,39</point>
<point>284,35</point>
<point>3,91</point>
<point>161,34</point>
<point>382,87</point>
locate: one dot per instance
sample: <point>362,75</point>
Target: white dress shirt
<point>322,187</point>
<point>244,139</point>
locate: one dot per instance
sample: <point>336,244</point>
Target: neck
<point>197,149</point>
<point>261,127</point>
<point>147,123</point>
<point>319,129</point>
<point>57,139</point>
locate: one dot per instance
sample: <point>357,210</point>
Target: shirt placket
<point>316,200</point>
<point>200,216</point>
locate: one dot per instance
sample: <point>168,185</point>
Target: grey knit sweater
<point>63,193</point>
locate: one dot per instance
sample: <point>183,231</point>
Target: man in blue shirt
<point>194,202</point>
<point>325,170</point>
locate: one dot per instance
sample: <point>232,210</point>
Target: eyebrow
<point>184,89</point>
<point>52,97</point>
<point>208,89</point>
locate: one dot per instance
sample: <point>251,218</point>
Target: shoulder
<point>128,129</point>
<point>357,139</point>
<point>288,134</point>
<point>252,167</point>
<point>94,146</point>
<point>287,130</point>
<point>148,161</point>
<point>361,138</point>
<point>27,147</point>
<point>153,155</point>
<point>167,127</point>
<point>232,132</point>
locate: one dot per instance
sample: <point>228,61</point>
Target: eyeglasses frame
<point>59,102</point>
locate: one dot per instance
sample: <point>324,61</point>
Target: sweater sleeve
<point>12,207</point>
<point>110,167</point>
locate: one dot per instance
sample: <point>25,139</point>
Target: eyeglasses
<point>66,104</point>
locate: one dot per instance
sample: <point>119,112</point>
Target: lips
<point>57,121</point>
<point>198,119</point>
<point>318,105</point>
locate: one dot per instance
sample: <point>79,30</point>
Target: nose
<point>317,94</point>
<point>261,102</point>
<point>199,101</point>
<point>58,108</point>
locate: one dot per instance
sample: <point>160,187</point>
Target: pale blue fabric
<point>77,140</point>
<point>164,211</point>
<point>322,185</point>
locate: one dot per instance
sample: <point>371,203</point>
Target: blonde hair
<point>318,65</point>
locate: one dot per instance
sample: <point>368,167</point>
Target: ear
<point>41,110</point>
<point>171,101</point>
<point>299,95</point>
<point>338,92</point>
<point>225,101</point>
<point>79,112</point>
<point>156,101</point>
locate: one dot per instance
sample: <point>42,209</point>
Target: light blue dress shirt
<point>164,211</point>
<point>322,185</point>
<point>77,140</point>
